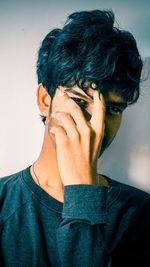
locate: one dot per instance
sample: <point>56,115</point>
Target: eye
<point>113,110</point>
<point>82,103</point>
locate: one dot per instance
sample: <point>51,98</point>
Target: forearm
<point>80,236</point>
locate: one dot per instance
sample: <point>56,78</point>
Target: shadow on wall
<point>128,158</point>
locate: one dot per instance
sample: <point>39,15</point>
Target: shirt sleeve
<point>80,236</point>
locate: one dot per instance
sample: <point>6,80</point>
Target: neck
<point>46,167</point>
<point>47,171</point>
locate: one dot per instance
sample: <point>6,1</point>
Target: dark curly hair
<point>90,48</point>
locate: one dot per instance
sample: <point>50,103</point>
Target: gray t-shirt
<point>95,227</point>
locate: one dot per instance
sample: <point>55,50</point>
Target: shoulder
<point>10,183</point>
<point>13,194</point>
<point>128,191</point>
<point>129,200</point>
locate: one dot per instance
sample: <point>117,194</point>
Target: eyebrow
<point>88,97</point>
<point>121,104</point>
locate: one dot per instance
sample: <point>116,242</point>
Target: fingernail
<point>61,93</point>
<point>93,85</point>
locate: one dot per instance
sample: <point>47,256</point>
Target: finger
<point>76,113</point>
<point>98,116</point>
<point>68,124</point>
<point>60,135</point>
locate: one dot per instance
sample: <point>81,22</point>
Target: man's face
<point>115,104</point>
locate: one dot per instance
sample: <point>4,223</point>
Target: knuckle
<point>75,135</point>
<point>64,142</point>
<point>67,115</point>
<point>87,131</point>
<point>75,108</point>
<point>56,129</point>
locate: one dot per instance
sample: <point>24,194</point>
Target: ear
<point>43,100</point>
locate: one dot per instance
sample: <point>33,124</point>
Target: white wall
<point>23,24</point>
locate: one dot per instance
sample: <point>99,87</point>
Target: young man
<point>59,211</point>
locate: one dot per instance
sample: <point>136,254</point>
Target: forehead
<point>111,95</point>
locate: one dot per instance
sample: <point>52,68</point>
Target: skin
<point>75,137</point>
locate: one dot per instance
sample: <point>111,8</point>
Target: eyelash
<point>112,110</point>
<point>80,102</point>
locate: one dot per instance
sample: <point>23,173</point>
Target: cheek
<point>112,125</point>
